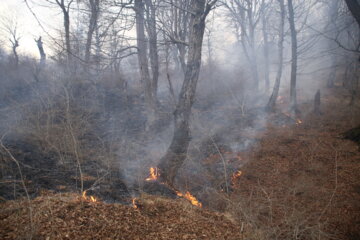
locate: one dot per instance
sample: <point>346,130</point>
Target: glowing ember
<point>154,174</point>
<point>297,121</point>
<point>235,176</point>
<point>134,203</point>
<point>191,198</point>
<point>86,198</point>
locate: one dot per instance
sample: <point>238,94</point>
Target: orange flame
<point>134,203</point>
<point>90,199</point>
<point>297,121</point>
<point>235,176</point>
<point>154,174</point>
<point>191,198</point>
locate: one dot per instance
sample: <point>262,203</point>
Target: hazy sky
<point>51,20</point>
<point>16,11</point>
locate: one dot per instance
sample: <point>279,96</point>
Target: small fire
<point>297,121</point>
<point>235,176</point>
<point>90,199</point>
<point>134,203</point>
<point>154,174</point>
<point>191,198</point>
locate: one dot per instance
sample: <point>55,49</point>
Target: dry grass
<point>301,181</point>
<point>68,217</point>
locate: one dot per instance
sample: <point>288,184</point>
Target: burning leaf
<point>134,203</point>
<point>235,176</point>
<point>154,174</point>
<point>86,198</point>
<point>191,198</point>
<point>297,121</point>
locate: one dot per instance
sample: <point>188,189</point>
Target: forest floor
<point>303,181</point>
<point>300,181</point>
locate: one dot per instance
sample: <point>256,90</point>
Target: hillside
<point>299,181</point>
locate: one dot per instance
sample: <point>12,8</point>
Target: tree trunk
<point>167,60</point>
<point>16,57</point>
<point>293,101</point>
<point>39,44</point>
<point>317,102</point>
<point>180,25</point>
<point>94,7</point>
<point>266,54</point>
<point>272,101</point>
<point>67,35</point>
<point>142,56</point>
<point>66,9</point>
<point>354,7</point>
<point>176,153</point>
<point>333,15</point>
<point>354,83</point>
<point>97,50</point>
<point>153,50</point>
<point>254,69</point>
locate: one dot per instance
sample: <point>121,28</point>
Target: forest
<point>180,119</point>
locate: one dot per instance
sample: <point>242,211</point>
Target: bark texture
<point>15,45</point>
<point>39,44</point>
<point>94,14</point>
<point>266,52</point>
<point>317,102</point>
<point>142,49</point>
<point>176,153</point>
<point>354,7</point>
<point>149,83</point>
<point>293,101</point>
<point>272,101</point>
<point>153,50</point>
<point>66,15</point>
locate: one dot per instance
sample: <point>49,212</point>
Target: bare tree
<point>153,49</point>
<point>10,28</point>
<point>246,15</point>
<point>294,49</point>
<point>39,44</point>
<point>272,101</point>
<point>176,153</point>
<point>15,44</point>
<point>65,8</point>
<point>266,51</point>
<point>174,18</point>
<point>331,28</point>
<point>354,7</point>
<point>143,59</point>
<point>94,6</point>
